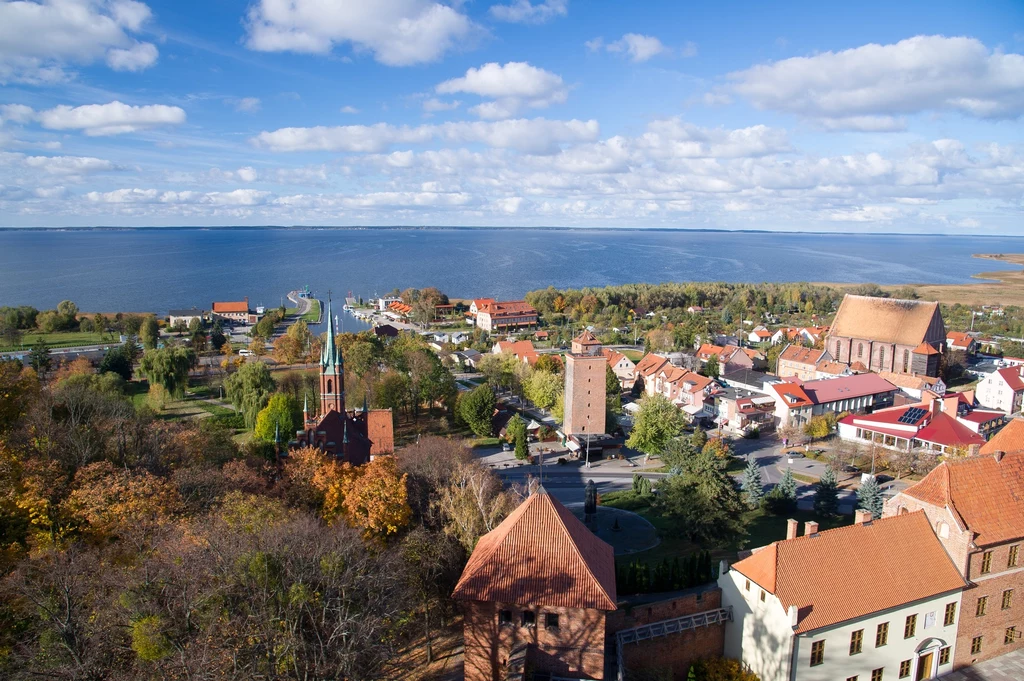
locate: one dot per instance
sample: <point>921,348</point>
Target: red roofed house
<point>887,334</point>
<point>797,401</point>
<point>1003,389</point>
<point>976,507</point>
<point>478,303</point>
<point>873,600</point>
<point>539,587</point>
<point>731,357</point>
<point>624,367</point>
<point>236,311</point>
<point>939,424</point>
<point>1009,439</point>
<point>801,362</point>
<point>759,335</point>
<point>509,315</point>
<point>522,350</point>
<point>958,340</point>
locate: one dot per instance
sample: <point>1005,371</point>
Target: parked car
<point>244,352</point>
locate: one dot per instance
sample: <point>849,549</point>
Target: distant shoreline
<point>428,228</point>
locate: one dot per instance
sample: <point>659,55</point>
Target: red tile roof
<point>1009,439</point>
<point>944,429</point>
<point>1012,376</point>
<point>846,387</point>
<point>801,355</point>
<point>794,391</point>
<point>987,494</point>
<point>541,554</point>
<point>649,364</point>
<point>959,339</point>
<point>853,571</point>
<point>586,338</point>
<point>925,349</point>
<point>239,306</point>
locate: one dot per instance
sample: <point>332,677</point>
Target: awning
<point>692,409</point>
<point>572,446</point>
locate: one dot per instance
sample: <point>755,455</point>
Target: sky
<point>808,116</point>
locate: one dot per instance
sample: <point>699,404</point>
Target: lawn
<point>63,339</point>
<point>313,315</point>
<point>633,355</point>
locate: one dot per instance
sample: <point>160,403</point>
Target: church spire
<point>330,357</point>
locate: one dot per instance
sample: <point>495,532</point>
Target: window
<point>1007,599</point>
<point>876,674</point>
<point>975,645</point>
<point>856,641</point>
<point>747,587</point>
<point>851,678</point>
<point>762,595</point>
<point>882,634</point>
<point>529,618</point>
<point>910,628</point>
<point>860,350</point>
<point>505,617</point>
<point>950,616</point>
<point>944,655</point>
<point>817,653</point>
<point>881,363</point>
<point>906,361</point>
<point>551,620</point>
<point>904,669</point>
<point>1011,560</point>
<point>1011,634</point>
<point>986,562</point>
<point>982,606</point>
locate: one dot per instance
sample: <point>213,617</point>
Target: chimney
<point>810,528</point>
<point>861,517</point>
<point>791,526</point>
<point>794,616</point>
<point>998,456</point>
<point>723,567</point>
<point>935,407</point>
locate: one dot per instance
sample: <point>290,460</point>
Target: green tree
<point>169,368</point>
<point>788,485</point>
<point>826,494</point>
<point>117,360</point>
<point>752,485</point>
<point>515,433</point>
<point>711,367</point>
<point>276,419</point>
<point>249,389</point>
<point>656,423</point>
<point>392,391</point>
<point>869,497</point>
<point>702,501</point>
<point>477,409</point>
<point>543,388</point>
<point>39,357</point>
<point>149,333</point>
<point>217,337</point>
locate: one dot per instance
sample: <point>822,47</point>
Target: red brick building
<point>351,436</point>
<point>585,387</point>
<point>976,507</point>
<point>535,593</point>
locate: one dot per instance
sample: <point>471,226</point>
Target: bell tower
<point>332,370</point>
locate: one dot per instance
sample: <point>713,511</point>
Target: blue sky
<point>888,116</point>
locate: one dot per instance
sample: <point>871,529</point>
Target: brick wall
<point>574,649</point>
<point>675,652</point>
<point>584,394</point>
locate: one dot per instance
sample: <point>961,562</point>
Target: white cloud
<point>525,12</point>
<point>869,86</point>
<point>395,32</point>
<point>39,40</point>
<point>537,135</point>
<point>237,197</point>
<point>248,104</point>
<point>138,57</point>
<point>511,86</point>
<point>433,105</point>
<point>510,205</point>
<point>69,165</point>
<point>349,110</point>
<point>639,47</point>
<point>113,118</point>
<point>247,174</point>
<point>16,113</point>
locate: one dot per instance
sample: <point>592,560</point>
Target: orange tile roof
<point>586,338</point>
<point>613,357</point>
<point>1010,439</point>
<point>541,554</point>
<point>793,390</point>
<point>239,306</point>
<point>801,355</point>
<point>1013,376</point>
<point>925,349</point>
<point>987,494</point>
<point>649,364</point>
<point>959,339</point>
<point>853,571</point>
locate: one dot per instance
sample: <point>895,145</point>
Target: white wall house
<point>1002,389</point>
<point>846,603</point>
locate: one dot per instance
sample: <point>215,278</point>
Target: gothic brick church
<point>353,436</point>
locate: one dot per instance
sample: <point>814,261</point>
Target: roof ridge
<point>575,546</point>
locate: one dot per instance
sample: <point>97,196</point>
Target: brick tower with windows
<point>585,387</point>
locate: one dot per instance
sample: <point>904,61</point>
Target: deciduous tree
<point>376,499</point>
<point>656,422</point>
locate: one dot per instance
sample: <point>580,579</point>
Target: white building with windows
<point>872,601</point>
<point>1003,389</point>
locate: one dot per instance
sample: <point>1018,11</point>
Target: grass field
<point>1007,287</point>
<point>63,339</point>
<point>314,312</point>
<point>633,355</point>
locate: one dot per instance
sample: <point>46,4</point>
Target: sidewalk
<point>499,459</point>
<point>1009,667</point>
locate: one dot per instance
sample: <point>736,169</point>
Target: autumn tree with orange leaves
<point>376,498</point>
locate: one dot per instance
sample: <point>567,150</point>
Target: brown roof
<point>586,338</point>
<point>649,364</point>
<point>540,555</point>
<point>380,428</point>
<point>987,494</point>
<point>835,368</point>
<point>912,381</point>
<point>853,571</point>
<point>959,339</point>
<point>1009,439</point>
<point>507,307</point>
<point>613,357</point>
<point>801,355</point>
<point>925,349</point>
<point>240,306</point>
<point>889,320</point>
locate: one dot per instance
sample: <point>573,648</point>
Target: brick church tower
<point>585,387</point>
<point>332,371</point>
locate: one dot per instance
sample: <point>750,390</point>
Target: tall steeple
<point>332,370</point>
